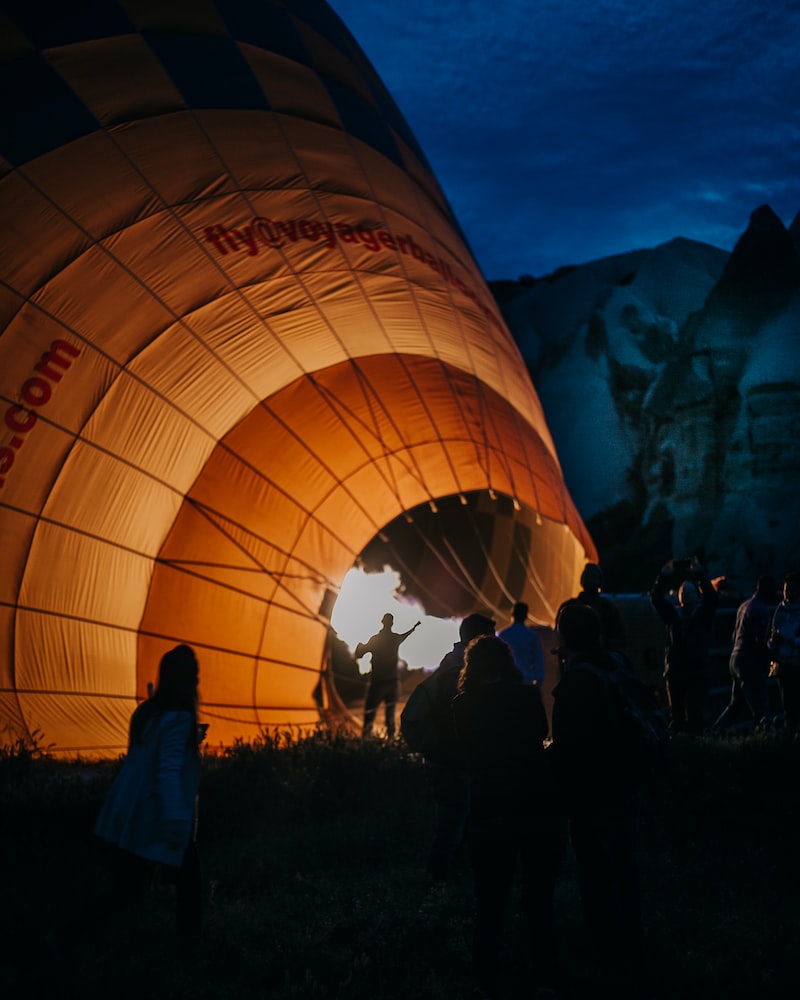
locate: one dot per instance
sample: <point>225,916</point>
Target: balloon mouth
<point>479,550</point>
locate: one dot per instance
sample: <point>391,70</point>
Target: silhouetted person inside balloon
<point>384,678</point>
<point>149,813</point>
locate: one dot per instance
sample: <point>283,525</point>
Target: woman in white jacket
<point>149,813</point>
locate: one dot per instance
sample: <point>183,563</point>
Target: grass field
<point>313,855</point>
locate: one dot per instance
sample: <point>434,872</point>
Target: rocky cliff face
<point>670,379</point>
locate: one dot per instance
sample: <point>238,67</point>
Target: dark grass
<point>313,855</point>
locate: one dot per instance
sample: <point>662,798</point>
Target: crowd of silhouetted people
<point>765,644</point>
<point>512,791</point>
<point>515,793</point>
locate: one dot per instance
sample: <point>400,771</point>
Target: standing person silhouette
<point>690,634</point>
<point>749,660</point>
<point>516,829</point>
<point>600,788</point>
<point>525,645</point>
<point>591,595</point>
<point>383,682</point>
<point>148,815</point>
<point>784,646</point>
<point>446,765</point>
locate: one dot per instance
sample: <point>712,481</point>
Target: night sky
<point>567,130</point>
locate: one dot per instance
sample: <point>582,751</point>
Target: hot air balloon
<point>243,342</point>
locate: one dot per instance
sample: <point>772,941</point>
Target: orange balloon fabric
<point>240,333</point>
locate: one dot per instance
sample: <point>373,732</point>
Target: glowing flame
<point>364,598</point>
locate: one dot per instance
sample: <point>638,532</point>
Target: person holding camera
<point>689,638</point>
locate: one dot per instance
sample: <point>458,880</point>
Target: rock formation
<point>670,380</point>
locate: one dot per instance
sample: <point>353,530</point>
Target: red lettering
<point>330,239</point>
<point>309,230</point>
<point>416,251</point>
<point>274,233</point>
<point>287,230</point>
<point>237,236</point>
<point>369,239</point>
<point>263,230</point>
<point>53,357</point>
<point>36,392</point>
<point>215,234</point>
<point>19,420</point>
<point>431,261</point>
<point>345,233</point>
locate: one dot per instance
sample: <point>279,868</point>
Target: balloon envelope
<point>240,335</point>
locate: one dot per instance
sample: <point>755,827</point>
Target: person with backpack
<point>515,827</point>
<point>426,724</point>
<point>600,784</point>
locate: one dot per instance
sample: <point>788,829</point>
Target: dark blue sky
<point>567,130</point>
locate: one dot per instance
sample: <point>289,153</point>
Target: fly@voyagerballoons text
<point>275,234</point>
